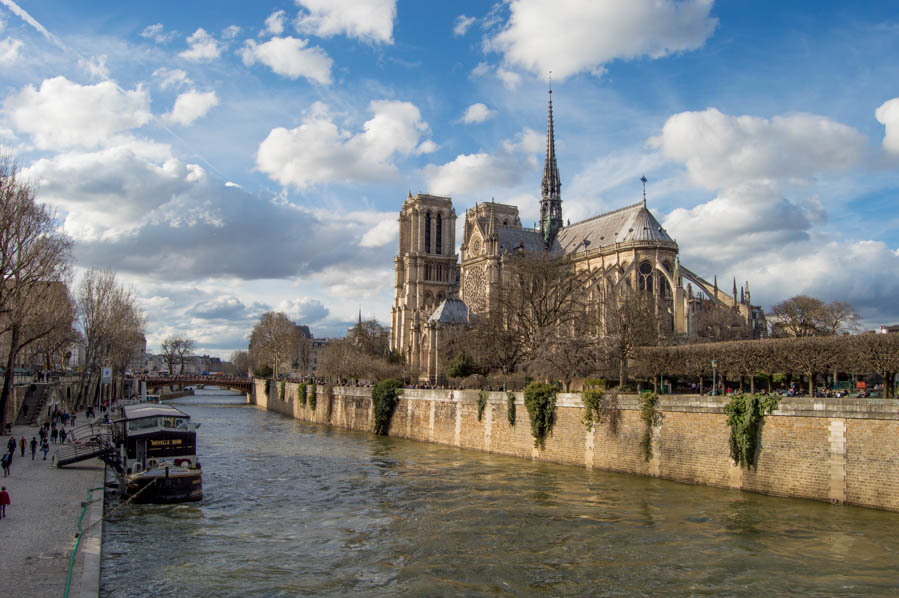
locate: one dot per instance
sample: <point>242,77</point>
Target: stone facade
<point>835,450</point>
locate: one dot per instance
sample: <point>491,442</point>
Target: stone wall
<point>838,450</point>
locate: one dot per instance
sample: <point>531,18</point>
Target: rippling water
<point>293,509</point>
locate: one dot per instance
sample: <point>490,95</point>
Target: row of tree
<point>40,317</point>
<point>809,357</point>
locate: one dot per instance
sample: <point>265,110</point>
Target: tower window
<point>439,233</point>
<point>428,232</point>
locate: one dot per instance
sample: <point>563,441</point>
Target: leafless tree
<point>720,324</point>
<point>369,337</point>
<point>274,341</point>
<point>177,348</point>
<point>808,316</point>
<point>240,361</point>
<point>34,258</point>
<point>628,319</point>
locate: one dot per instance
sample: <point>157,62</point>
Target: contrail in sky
<point>18,10</point>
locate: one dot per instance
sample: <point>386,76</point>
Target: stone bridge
<point>239,383</point>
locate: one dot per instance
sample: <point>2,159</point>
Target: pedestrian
<point>33,447</point>
<point>11,445</point>
<point>54,434</point>
<point>22,443</point>
<point>62,436</point>
<point>45,447</point>
<point>4,462</point>
<point>4,500</point>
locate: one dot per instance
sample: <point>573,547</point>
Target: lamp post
<point>714,377</point>
<point>505,378</point>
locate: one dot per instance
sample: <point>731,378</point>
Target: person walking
<point>33,447</point>
<point>4,462</point>
<point>11,444</point>
<point>62,436</point>
<point>4,500</point>
<point>45,448</point>
<point>22,444</point>
<point>54,434</point>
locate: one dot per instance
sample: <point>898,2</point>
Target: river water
<point>297,509</point>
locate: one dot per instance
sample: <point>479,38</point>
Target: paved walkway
<point>38,533</point>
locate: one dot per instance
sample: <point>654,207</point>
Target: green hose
<point>78,540</point>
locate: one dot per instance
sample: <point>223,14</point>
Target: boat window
<point>143,423</point>
<point>177,423</point>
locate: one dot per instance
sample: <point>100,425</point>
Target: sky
<point>231,158</point>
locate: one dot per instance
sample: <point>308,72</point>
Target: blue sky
<point>235,157</point>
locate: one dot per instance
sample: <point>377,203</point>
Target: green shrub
<point>282,389</point>
<point>744,416</point>
<point>461,366</point>
<point>650,417</point>
<point>540,400</point>
<point>482,404</point>
<point>510,408</point>
<point>384,398</point>
<point>313,389</point>
<point>301,393</point>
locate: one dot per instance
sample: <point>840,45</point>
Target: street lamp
<point>714,377</point>
<point>505,378</point>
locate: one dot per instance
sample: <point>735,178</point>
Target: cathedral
<point>435,288</point>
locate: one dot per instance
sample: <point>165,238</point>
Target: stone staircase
<point>35,400</point>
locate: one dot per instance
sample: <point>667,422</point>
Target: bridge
<point>239,383</point>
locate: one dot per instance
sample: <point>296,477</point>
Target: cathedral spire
<point>551,202</point>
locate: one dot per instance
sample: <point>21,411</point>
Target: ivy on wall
<point>282,389</point>
<point>650,417</point>
<point>540,400</point>
<point>312,396</point>
<point>482,403</point>
<point>384,397</point>
<point>301,392</point>
<point>510,408</point>
<point>744,417</point>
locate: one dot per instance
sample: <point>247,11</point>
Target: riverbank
<point>841,451</point>
<point>41,524</point>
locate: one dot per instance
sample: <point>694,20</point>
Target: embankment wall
<point>837,450</point>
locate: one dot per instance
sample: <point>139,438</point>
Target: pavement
<point>39,530</point>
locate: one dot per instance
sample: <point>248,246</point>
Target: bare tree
<point>628,319</point>
<point>369,337</point>
<point>807,316</point>
<point>34,258</point>
<point>837,317</point>
<point>720,324</point>
<point>177,348</point>
<point>274,341</point>
<point>111,323</point>
<point>240,360</point>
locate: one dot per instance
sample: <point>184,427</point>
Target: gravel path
<point>38,533</point>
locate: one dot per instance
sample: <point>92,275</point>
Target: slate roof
<point>630,223</point>
<point>450,311</point>
<point>511,238</point>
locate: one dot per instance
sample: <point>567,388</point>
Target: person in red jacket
<point>4,500</point>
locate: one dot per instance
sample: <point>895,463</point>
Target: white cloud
<point>306,310</point>
<point>171,77</point>
<point>382,233</point>
<point>289,57</point>
<point>426,147</point>
<point>510,79</point>
<point>9,50</point>
<point>190,106</point>
<point>318,151</point>
<point>202,46</point>
<point>721,150</point>
<point>480,70</point>
<point>230,32</point>
<point>571,36</point>
<point>63,114</point>
<point>95,66</point>
<point>477,113</point>
<point>157,34</point>
<point>462,24</point>
<point>888,115</point>
<point>369,20</point>
<point>274,24</point>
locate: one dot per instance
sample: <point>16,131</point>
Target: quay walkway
<point>41,524</point>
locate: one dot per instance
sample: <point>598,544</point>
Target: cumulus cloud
<point>571,36</point>
<point>318,151</point>
<point>157,33</point>
<point>477,113</point>
<point>305,310</point>
<point>201,46</point>
<point>190,106</point>
<point>63,114</point>
<point>226,307</point>
<point>511,80</point>
<point>9,50</point>
<point>230,32</point>
<point>289,57</point>
<point>274,24</point>
<point>888,115</point>
<point>462,24</point>
<point>721,150</point>
<point>380,234</point>
<point>171,77</point>
<point>368,20</point>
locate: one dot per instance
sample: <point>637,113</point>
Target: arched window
<point>646,276</point>
<point>439,233</point>
<point>428,232</point>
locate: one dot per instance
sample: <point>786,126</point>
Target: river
<point>298,509</point>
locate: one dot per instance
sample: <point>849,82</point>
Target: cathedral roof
<point>631,223</point>
<point>450,311</point>
<point>512,238</point>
